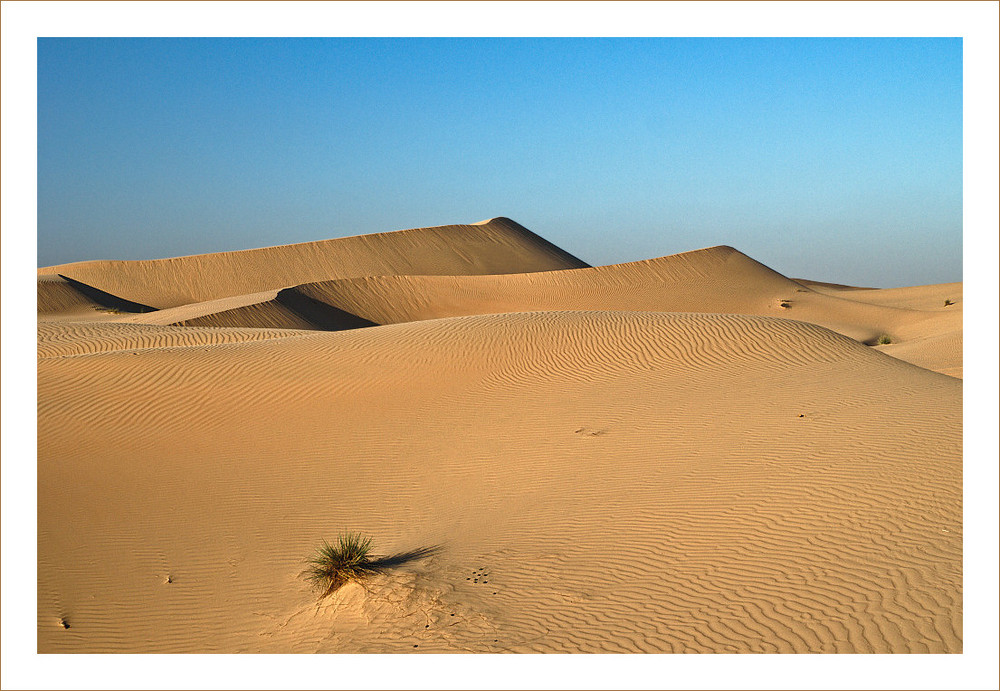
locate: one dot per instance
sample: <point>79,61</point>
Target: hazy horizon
<point>829,159</point>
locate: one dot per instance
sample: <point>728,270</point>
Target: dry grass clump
<point>333,566</point>
<point>349,559</point>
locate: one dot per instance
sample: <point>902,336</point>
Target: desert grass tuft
<point>334,565</point>
<point>884,339</point>
<point>948,303</point>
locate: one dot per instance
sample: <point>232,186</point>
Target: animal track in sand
<point>479,575</point>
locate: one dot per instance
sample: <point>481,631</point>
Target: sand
<point>687,454</point>
<point>498,245</point>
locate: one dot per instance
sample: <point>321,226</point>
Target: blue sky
<point>830,159</point>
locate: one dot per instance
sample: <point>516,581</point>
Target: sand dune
<point>57,297</point>
<point>686,454</point>
<point>62,298</point>
<point>495,246</point>
<point>597,481</point>
<point>717,279</point>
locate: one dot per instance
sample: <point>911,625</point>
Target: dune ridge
<point>718,279</point>
<point>498,245</point>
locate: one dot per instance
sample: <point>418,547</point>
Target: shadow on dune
<point>105,299</point>
<point>400,558</point>
<point>325,317</point>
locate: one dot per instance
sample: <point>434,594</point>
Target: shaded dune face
<point>60,296</point>
<point>692,453</point>
<point>287,309</point>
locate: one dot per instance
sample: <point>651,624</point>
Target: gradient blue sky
<point>830,159</point>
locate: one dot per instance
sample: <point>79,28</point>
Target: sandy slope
<point>56,297</point>
<point>596,481</point>
<point>498,245</point>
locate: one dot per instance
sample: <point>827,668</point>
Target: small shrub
<point>884,339</point>
<point>350,559</point>
<point>948,303</point>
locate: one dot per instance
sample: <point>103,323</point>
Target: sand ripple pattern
<point>600,482</point>
<point>83,338</point>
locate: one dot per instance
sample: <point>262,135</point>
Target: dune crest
<point>492,247</point>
